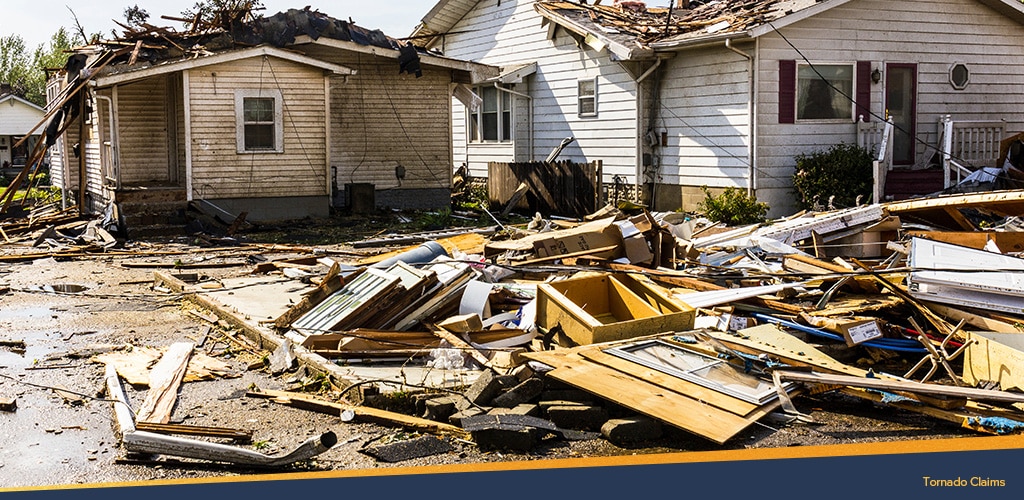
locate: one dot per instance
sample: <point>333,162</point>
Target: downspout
<point>751,181</point>
<point>528,98</point>
<point>112,152</point>
<point>639,128</point>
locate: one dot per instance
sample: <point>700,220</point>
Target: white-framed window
<point>828,99</point>
<point>959,76</point>
<point>258,121</point>
<point>587,97</point>
<point>492,121</point>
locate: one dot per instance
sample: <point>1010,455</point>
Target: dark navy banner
<point>967,474</point>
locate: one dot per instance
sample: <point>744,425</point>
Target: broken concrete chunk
<point>522,409</point>
<point>8,404</point>
<point>578,416</point>
<point>570,395</point>
<point>457,418</point>
<point>486,387</point>
<point>520,422</point>
<point>409,449</point>
<point>526,391</point>
<point>622,431</point>
<point>440,409</point>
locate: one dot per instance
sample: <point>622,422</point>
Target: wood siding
<point>381,119</point>
<point>509,33</point>
<point>704,109</point>
<point>934,34</point>
<point>218,170</point>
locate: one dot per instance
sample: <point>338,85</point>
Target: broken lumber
<point>364,413</point>
<point>894,385</point>
<point>164,380</point>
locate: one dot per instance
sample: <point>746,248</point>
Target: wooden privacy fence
<point>552,188</point>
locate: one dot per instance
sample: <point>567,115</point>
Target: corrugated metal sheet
<point>354,295</point>
<point>952,274</point>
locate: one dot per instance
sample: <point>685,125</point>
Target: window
<point>587,92</point>
<point>828,99</point>
<point>492,122</point>
<point>258,116</point>
<point>959,76</point>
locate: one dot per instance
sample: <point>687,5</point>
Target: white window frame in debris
<point>246,122</point>
<point>492,120</point>
<point>586,91</point>
<point>698,368</point>
<point>818,100</point>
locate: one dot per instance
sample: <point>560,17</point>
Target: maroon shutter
<point>787,91</point>
<point>863,107</point>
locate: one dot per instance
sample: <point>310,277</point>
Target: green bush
<point>843,171</point>
<point>733,207</point>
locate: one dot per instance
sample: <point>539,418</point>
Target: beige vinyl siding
<point>510,34</point>
<point>143,131</point>
<point>381,119</point>
<point>218,170</point>
<point>704,109</point>
<point>934,34</point>
<point>97,195</point>
<point>17,118</point>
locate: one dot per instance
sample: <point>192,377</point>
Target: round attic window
<point>959,76</point>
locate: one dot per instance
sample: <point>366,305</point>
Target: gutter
<point>529,98</point>
<point>136,441</point>
<point>751,77</point>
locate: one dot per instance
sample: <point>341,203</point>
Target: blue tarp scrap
<point>999,425</point>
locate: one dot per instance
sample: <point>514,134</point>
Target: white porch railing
<point>877,136</point>
<point>968,145</point>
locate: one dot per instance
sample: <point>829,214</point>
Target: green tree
<point>26,73</point>
<point>15,65</point>
<point>211,9</point>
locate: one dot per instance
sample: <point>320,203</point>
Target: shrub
<point>843,171</point>
<point>733,207</point>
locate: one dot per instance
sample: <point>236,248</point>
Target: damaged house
<point>275,117</point>
<point>727,93</point>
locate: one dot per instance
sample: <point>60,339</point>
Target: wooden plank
<point>960,419</point>
<point>978,320</point>
<point>656,402</point>
<point>195,430</point>
<point>1007,241</point>
<point>164,380</point>
<point>460,344</point>
<point>901,386</point>
<point>364,413</point>
<point>674,384</point>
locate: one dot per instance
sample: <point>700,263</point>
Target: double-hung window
<point>825,99</point>
<point>492,122</point>
<point>258,121</point>
<point>587,97</point>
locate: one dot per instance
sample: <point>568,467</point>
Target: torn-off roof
<point>652,27</point>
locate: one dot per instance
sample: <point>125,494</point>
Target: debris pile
<point>627,323</point>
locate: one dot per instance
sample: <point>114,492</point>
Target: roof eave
<point>479,71</point>
<point>622,52</point>
<point>140,73</point>
<point>699,41</point>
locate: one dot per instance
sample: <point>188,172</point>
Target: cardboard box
<point>590,236</point>
<point>604,308</point>
<point>637,250</point>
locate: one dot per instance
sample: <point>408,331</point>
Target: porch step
<point>902,184</point>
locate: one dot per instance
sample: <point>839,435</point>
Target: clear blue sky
<point>37,20</point>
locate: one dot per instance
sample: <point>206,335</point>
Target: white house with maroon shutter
<point>727,93</point>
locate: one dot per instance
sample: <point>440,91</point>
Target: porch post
<point>188,133</point>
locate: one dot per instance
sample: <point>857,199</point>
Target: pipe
<point>750,115</point>
<point>639,130</point>
<point>136,441</point>
<point>529,98</point>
